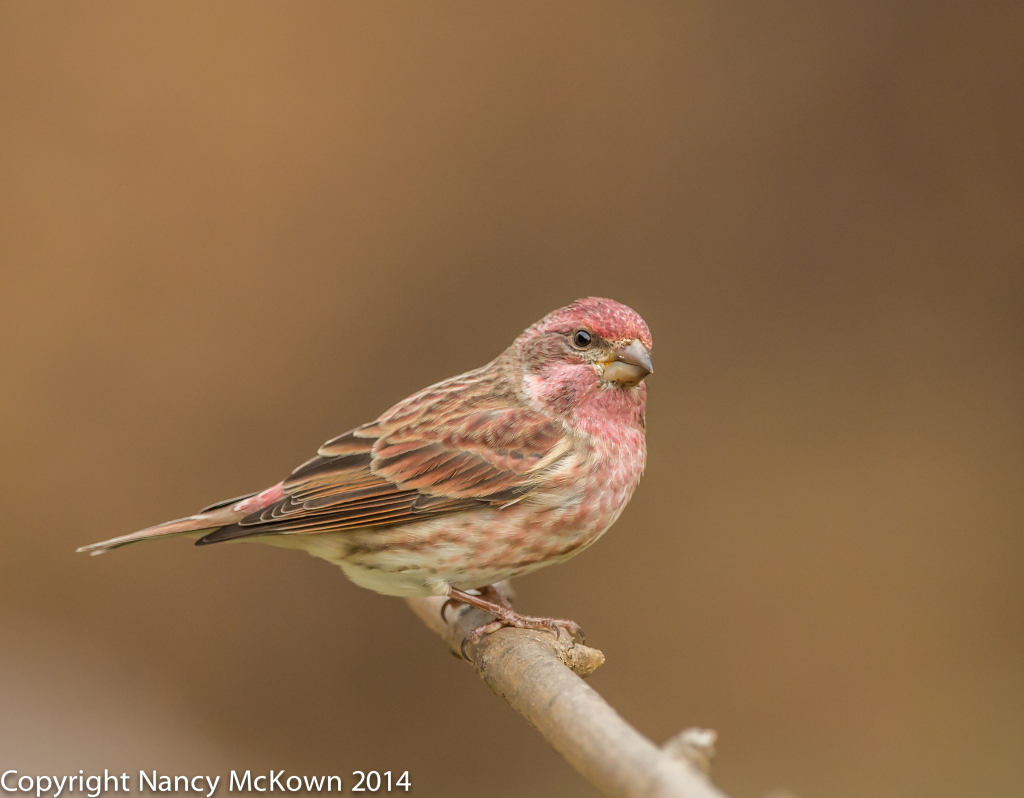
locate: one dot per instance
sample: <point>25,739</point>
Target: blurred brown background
<point>229,232</point>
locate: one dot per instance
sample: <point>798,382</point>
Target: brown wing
<point>455,446</point>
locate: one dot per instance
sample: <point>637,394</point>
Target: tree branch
<point>539,675</point>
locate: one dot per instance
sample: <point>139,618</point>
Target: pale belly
<point>463,550</point>
<point>478,547</point>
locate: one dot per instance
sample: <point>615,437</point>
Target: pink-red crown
<point>612,320</point>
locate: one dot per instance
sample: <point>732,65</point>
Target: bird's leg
<point>506,616</point>
<point>493,593</point>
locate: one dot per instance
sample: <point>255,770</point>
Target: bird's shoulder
<point>454,432</point>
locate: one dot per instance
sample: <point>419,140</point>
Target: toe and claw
<point>492,601</point>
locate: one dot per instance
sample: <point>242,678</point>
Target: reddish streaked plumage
<point>485,476</point>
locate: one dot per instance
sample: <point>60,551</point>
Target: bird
<point>483,477</point>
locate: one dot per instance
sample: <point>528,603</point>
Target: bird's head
<point>589,358</point>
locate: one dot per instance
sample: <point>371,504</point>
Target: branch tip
<point>693,745</point>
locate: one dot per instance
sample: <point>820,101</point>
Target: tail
<point>213,517</point>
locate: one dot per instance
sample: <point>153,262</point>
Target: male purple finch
<point>482,477</point>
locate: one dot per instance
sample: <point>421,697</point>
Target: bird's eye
<point>582,339</point>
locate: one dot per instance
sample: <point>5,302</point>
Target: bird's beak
<point>629,364</point>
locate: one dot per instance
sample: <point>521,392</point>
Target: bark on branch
<point>540,676</point>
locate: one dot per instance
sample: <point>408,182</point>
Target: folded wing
<point>448,449</point>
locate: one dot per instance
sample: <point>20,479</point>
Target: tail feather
<point>207,520</point>
<point>202,522</point>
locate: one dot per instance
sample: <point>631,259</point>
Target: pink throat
<point>578,394</point>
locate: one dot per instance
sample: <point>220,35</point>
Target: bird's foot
<point>504,615</point>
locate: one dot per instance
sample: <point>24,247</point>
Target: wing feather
<point>455,446</point>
